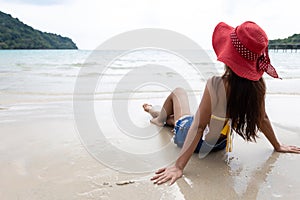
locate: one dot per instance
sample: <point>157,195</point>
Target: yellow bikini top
<point>226,131</point>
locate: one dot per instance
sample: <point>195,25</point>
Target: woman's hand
<point>288,149</point>
<point>165,174</point>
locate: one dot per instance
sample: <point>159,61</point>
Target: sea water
<point>37,83</point>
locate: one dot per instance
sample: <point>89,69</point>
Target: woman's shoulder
<point>217,92</point>
<point>214,81</point>
<point>216,86</point>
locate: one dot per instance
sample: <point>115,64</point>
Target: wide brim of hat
<point>227,54</point>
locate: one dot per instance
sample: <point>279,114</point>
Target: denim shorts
<point>181,129</point>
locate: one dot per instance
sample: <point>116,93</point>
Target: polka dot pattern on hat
<point>243,51</point>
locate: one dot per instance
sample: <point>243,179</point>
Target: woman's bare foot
<point>149,109</point>
<point>157,122</point>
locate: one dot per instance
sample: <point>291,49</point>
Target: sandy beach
<point>42,157</point>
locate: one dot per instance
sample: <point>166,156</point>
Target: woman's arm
<point>195,133</point>
<point>201,119</point>
<point>268,131</point>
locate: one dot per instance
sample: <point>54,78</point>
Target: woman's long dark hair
<point>245,104</point>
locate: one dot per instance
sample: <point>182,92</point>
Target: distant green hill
<point>292,40</point>
<point>16,35</point>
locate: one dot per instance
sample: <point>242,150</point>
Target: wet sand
<point>42,157</point>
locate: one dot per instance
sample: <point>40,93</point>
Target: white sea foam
<point>49,76</point>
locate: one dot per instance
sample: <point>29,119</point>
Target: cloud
<point>38,2</point>
<point>91,22</point>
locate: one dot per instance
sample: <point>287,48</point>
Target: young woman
<point>234,101</point>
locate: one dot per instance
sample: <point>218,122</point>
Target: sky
<point>90,22</point>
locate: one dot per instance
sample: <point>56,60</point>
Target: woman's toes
<point>147,107</point>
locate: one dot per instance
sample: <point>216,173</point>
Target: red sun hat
<point>243,49</point>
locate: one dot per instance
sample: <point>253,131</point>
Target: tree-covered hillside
<point>293,40</point>
<point>16,35</point>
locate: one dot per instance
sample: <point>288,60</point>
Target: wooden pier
<point>284,47</point>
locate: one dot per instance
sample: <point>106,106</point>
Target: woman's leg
<point>176,104</point>
<point>149,109</point>
<point>154,113</point>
